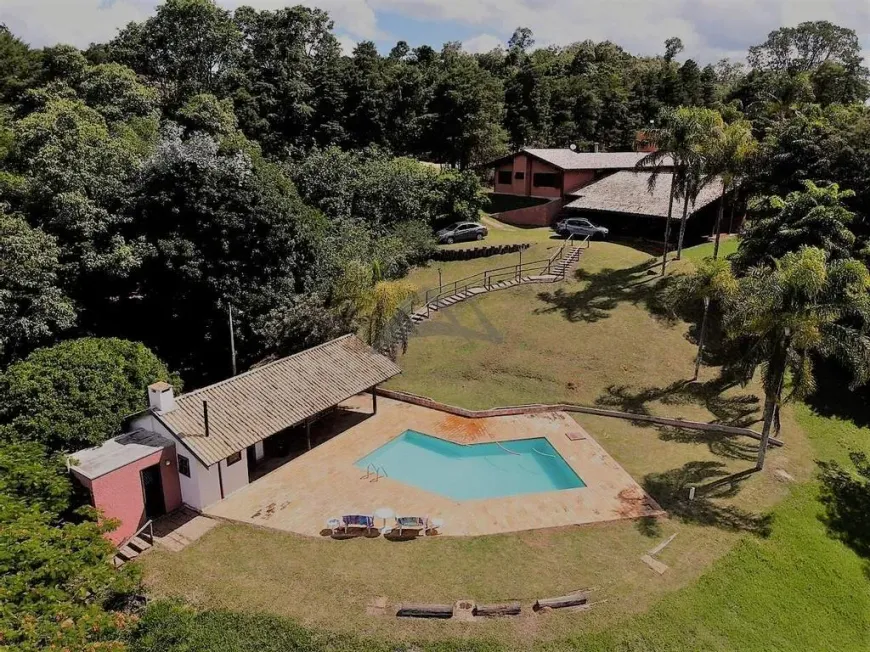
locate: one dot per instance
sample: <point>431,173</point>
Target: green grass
<point>592,340</point>
<point>727,247</point>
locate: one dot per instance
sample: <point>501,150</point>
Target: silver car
<point>462,231</point>
<point>580,227</point>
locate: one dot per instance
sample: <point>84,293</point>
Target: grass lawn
<point>751,568</point>
<point>727,246</point>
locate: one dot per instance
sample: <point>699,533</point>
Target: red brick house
<point>550,176</point>
<point>554,173</point>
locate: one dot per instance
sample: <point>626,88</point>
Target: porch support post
<point>375,399</point>
<point>308,433</point>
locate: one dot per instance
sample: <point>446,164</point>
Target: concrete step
<point>139,544</point>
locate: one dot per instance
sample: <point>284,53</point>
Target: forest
<point>207,165</point>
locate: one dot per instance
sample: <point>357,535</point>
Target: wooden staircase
<point>558,272</point>
<point>134,546</point>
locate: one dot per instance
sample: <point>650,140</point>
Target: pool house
<point>199,448</point>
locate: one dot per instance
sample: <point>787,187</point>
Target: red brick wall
<point>119,494</point>
<point>540,215</point>
<point>578,178</point>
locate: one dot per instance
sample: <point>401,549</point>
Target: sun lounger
<point>413,523</point>
<point>356,521</point>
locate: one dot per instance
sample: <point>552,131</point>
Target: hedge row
<point>478,252</point>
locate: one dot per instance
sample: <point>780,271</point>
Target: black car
<point>462,231</point>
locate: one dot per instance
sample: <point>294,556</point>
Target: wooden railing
<point>485,279</point>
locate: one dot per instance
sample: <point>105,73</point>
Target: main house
<point>198,448</point>
<point>554,173</point>
<point>606,187</point>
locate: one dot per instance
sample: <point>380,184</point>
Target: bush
<point>75,394</point>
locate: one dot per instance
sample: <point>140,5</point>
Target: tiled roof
<point>117,452</point>
<point>249,407</point>
<point>628,192</point>
<point>567,159</point>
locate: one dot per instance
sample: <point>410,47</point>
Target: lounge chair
<point>356,521</point>
<point>414,523</point>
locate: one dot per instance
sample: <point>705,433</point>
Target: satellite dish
<point>572,147</point>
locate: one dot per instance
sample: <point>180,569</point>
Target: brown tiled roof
<point>249,407</point>
<point>628,192</point>
<point>567,159</point>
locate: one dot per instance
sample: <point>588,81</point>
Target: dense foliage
<point>209,164</point>
<point>74,394</point>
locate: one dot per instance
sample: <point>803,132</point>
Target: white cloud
<point>77,22</point>
<point>82,22</point>
<point>710,29</point>
<point>347,43</point>
<point>481,43</point>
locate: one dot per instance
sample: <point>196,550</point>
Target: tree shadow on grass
<point>846,497</point>
<point>739,411</point>
<point>834,398</point>
<point>604,291</point>
<point>712,482</point>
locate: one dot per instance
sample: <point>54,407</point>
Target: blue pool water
<point>475,471</point>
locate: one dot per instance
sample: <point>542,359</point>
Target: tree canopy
<point>76,394</point>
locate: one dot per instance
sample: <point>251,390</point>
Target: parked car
<point>580,227</point>
<point>462,231</point>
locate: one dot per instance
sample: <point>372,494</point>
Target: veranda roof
<point>247,408</point>
<point>628,192</point>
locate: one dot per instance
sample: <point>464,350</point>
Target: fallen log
<point>503,609</point>
<point>576,599</point>
<point>425,611</point>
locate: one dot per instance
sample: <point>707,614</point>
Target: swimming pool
<point>489,470</point>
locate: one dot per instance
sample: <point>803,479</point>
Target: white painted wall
<point>202,488</point>
<point>236,476</point>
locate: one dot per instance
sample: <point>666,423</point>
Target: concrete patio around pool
<point>301,495</point>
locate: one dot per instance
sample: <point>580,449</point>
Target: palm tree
<point>679,154</point>
<point>379,306</point>
<point>814,217</point>
<point>728,157</point>
<point>804,304</point>
<point>374,302</point>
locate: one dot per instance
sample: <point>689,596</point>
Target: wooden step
<point>139,544</point>
<point>127,553</point>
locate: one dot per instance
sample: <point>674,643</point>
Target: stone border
<point>540,408</point>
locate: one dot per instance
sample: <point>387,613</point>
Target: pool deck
<point>301,495</point>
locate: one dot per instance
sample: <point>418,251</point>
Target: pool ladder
<point>378,471</point>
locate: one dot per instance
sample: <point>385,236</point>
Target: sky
<point>710,29</point>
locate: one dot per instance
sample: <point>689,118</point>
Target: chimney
<point>595,148</point>
<point>161,397</point>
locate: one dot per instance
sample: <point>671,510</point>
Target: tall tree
<point>813,217</point>
<point>33,308</point>
<point>679,152</point>
<point>728,156</point>
<point>187,47</point>
<point>467,103</point>
<point>801,305</point>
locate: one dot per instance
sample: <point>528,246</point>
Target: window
<point>184,466</point>
<point>504,177</point>
<point>519,176</point>
<point>235,457</point>
<point>545,180</point>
